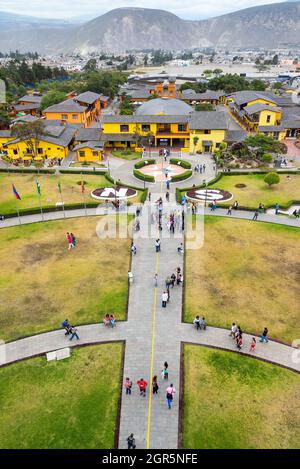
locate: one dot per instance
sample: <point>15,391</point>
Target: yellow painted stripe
<point>152,346</point>
<point>152,360</point>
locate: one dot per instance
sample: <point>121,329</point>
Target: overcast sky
<point>189,9</point>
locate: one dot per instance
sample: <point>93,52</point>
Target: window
<point>124,128</point>
<point>82,154</point>
<point>146,128</point>
<point>64,117</point>
<point>268,119</point>
<point>15,152</point>
<point>95,153</point>
<point>181,127</point>
<point>40,151</point>
<point>207,131</point>
<point>74,116</point>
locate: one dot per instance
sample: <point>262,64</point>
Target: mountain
<point>267,26</point>
<point>12,21</point>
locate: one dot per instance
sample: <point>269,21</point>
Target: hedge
<point>182,177</point>
<point>29,171</point>
<point>141,164</point>
<point>179,162</point>
<point>84,171</point>
<point>143,177</point>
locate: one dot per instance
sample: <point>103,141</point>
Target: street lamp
<point>205,185</point>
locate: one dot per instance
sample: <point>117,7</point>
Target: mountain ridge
<point>266,26</point>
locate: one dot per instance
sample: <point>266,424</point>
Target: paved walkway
<point>153,335</point>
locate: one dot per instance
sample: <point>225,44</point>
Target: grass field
<point>129,157</point>
<point>66,404</point>
<point>257,191</point>
<point>248,273</point>
<point>42,283</point>
<point>26,187</point>
<point>232,401</point>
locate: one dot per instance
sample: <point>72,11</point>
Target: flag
<point>59,187</point>
<point>38,187</point>
<point>16,192</point>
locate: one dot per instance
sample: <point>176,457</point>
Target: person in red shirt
<point>142,384</point>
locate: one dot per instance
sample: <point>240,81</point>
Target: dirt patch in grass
<point>247,273</point>
<point>232,401</point>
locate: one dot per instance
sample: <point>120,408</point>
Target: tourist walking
<point>236,205</point>
<point>264,336</point>
<point>229,212</point>
<point>233,330</point>
<point>196,322</point>
<point>252,345</point>
<point>149,196</point>
<point>170,392</point>
<point>157,245</point>
<point>173,279</point>
<point>133,248</point>
<point>128,386</point>
<point>131,442</point>
<point>73,239</point>
<point>155,386</point>
<point>255,216</point>
<point>155,279</point>
<point>165,371</point>
<point>164,299</point>
<point>70,241</point>
<point>67,326</point>
<point>277,207</point>
<point>142,384</point>
<point>167,196</point>
<point>73,332</point>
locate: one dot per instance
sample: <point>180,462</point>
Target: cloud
<point>189,9</point>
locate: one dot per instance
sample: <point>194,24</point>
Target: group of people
<point>70,330</point>
<point>109,320</point>
<point>71,241</point>
<point>142,385</point>
<point>170,282</point>
<point>237,334</point>
<point>200,168</point>
<point>200,323</point>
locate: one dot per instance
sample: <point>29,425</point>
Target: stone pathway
<point>153,335</point>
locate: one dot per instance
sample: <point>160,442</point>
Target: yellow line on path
<point>152,346</point>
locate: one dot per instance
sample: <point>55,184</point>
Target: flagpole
<point>61,198</point>
<point>83,194</point>
<point>18,211</point>
<point>39,196</point>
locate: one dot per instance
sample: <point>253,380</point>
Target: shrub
<point>272,178</point>
<point>181,177</point>
<point>143,177</point>
<point>141,164</point>
<point>179,162</point>
<point>267,158</point>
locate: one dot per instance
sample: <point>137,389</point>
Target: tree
<point>204,107</point>
<point>126,107</point>
<point>51,98</point>
<point>31,134</point>
<point>272,178</point>
<point>90,66</point>
<point>267,158</point>
<point>195,141</point>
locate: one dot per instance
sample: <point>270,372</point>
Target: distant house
<point>27,105</point>
<point>209,97</point>
<point>84,109</point>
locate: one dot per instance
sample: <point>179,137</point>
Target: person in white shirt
<point>164,299</point>
<point>233,330</point>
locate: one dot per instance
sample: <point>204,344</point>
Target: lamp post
<point>205,185</point>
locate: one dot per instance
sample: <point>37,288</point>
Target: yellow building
<point>258,112</point>
<point>84,109</point>
<point>54,144</point>
<point>89,151</point>
<point>5,137</point>
<point>166,123</point>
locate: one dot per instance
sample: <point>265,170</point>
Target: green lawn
<point>125,155</point>
<point>70,184</point>
<point>42,283</point>
<point>236,402</point>
<point>246,273</point>
<point>257,191</point>
<point>69,404</point>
